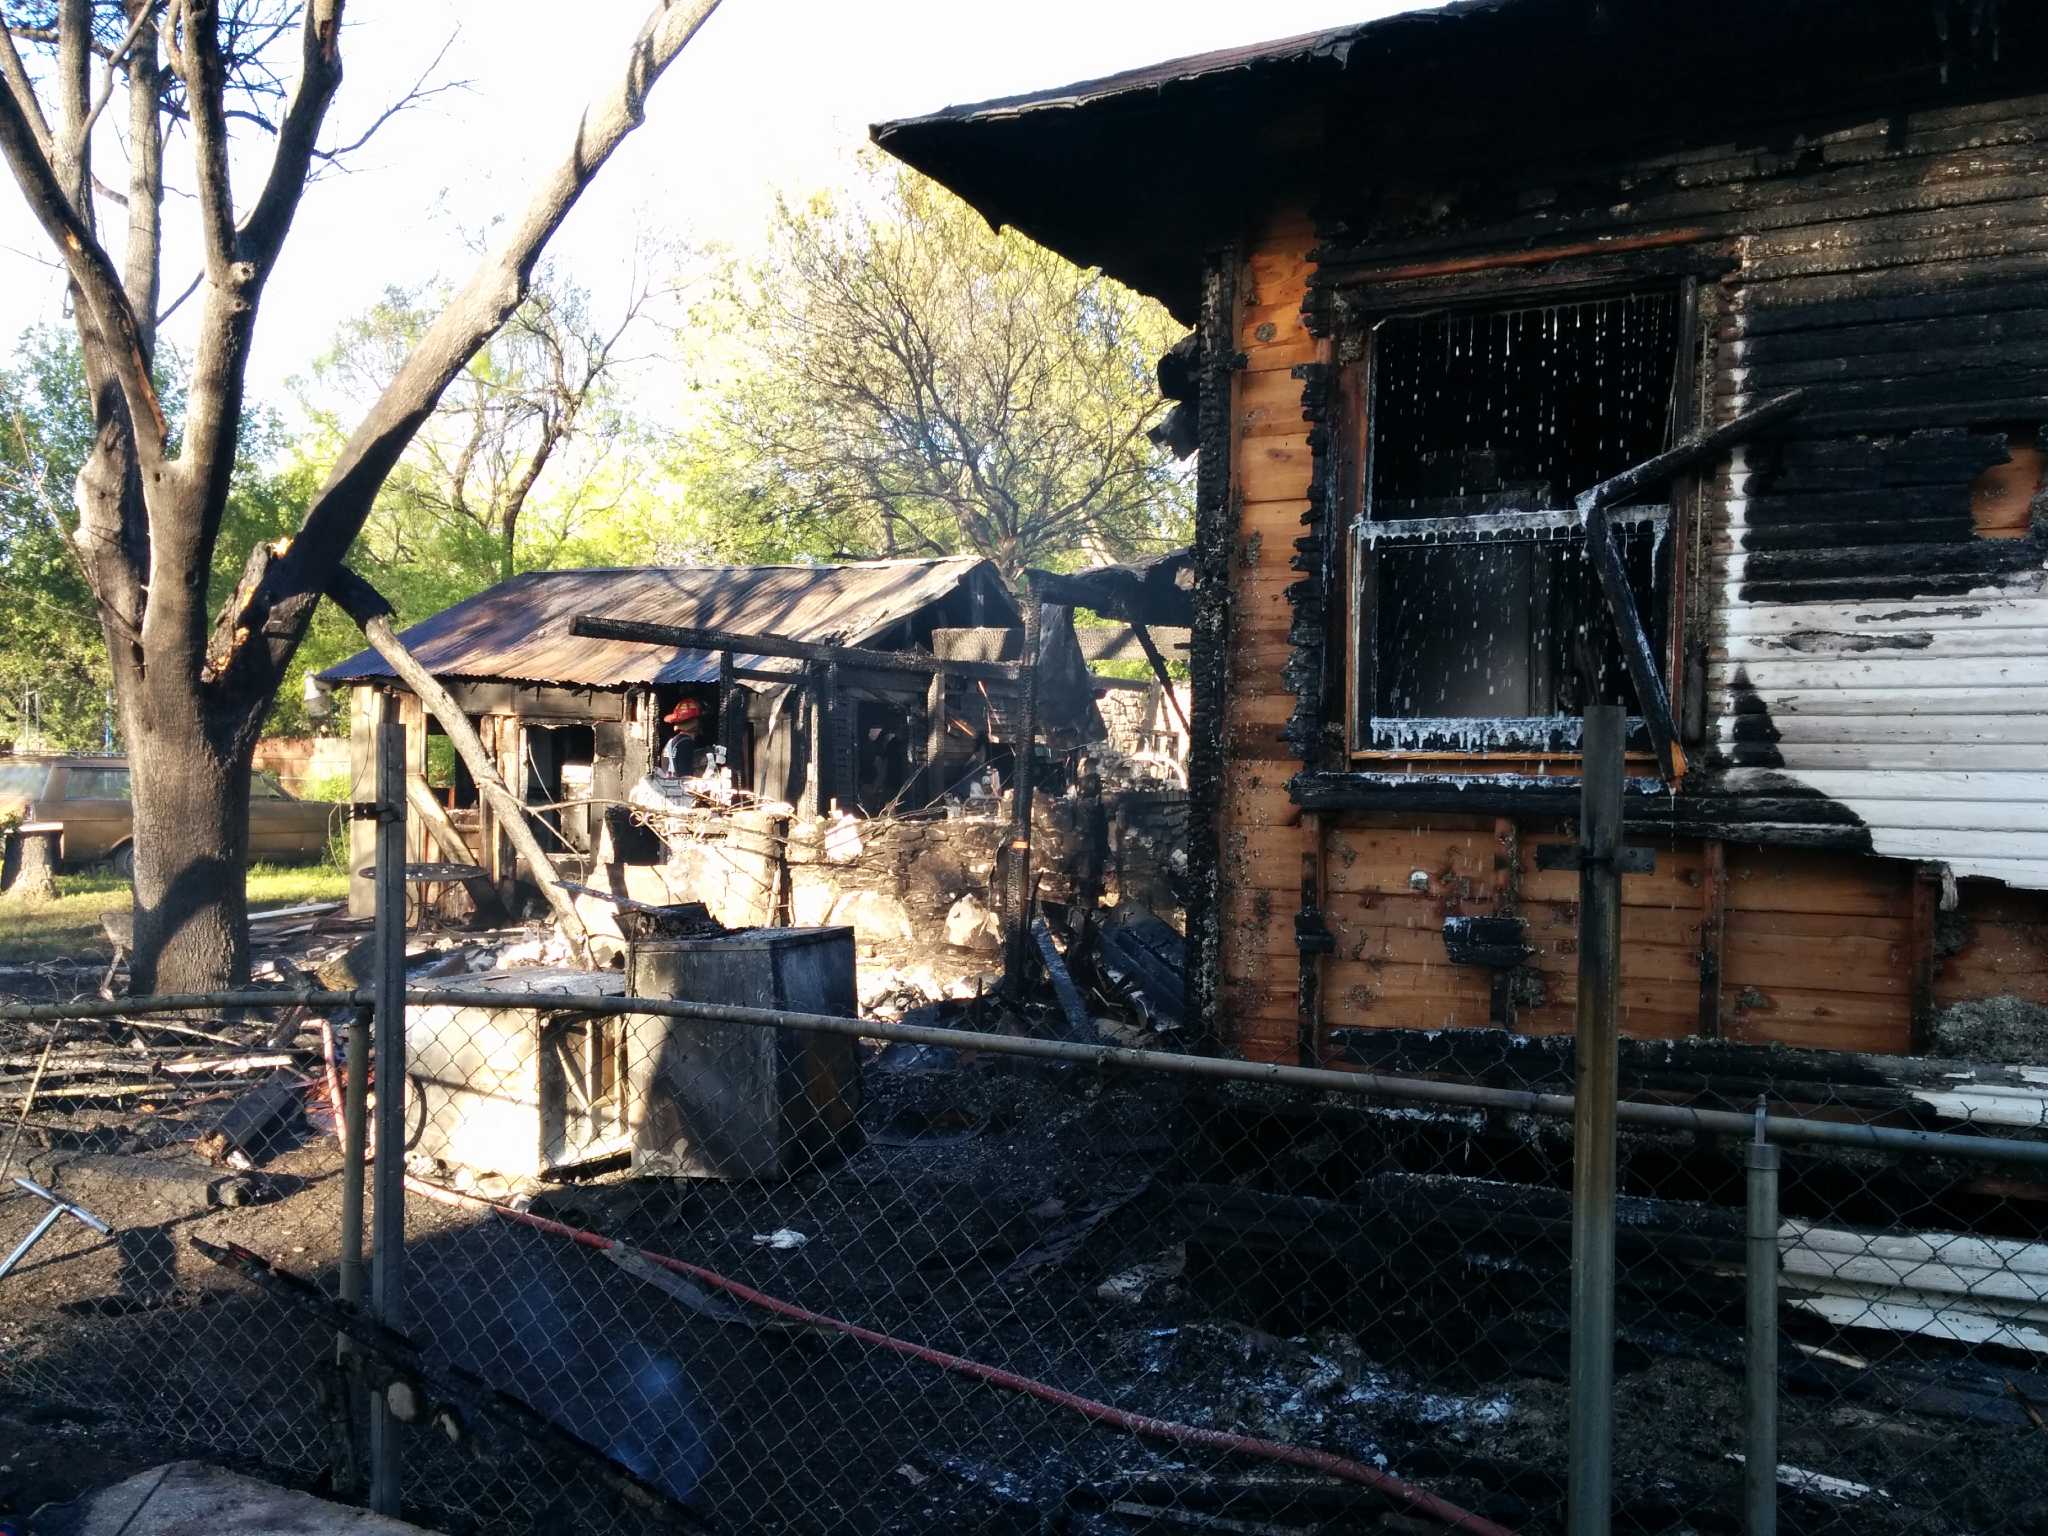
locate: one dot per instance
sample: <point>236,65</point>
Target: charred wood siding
<point>1272,469</point>
<point>1869,656</point>
<point>1874,630</point>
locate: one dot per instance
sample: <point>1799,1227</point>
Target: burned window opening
<point>1484,625</point>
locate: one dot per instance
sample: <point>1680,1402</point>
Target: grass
<point>69,927</point>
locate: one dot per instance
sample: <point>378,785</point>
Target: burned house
<point>784,744</point>
<point>574,723</point>
<point>1561,352</point>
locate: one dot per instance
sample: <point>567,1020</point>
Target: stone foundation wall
<point>922,896</point>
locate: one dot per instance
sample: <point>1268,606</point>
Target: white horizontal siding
<point>1925,716</point>
<point>1984,730</point>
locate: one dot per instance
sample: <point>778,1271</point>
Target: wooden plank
<point>2001,786</point>
<point>1896,815</point>
<point>1267,404</point>
<point>1275,468</point>
<point>1909,674</point>
<point>1901,639</point>
<point>1753,1009</point>
<point>1838,1031</point>
<point>1279,271</point>
<point>1895,728</point>
<point>1555,924</point>
<point>2015,610</point>
<point>1673,884</point>
<point>1863,701</point>
<point>1767,880</point>
<point>1903,757</point>
<point>1276,525</point>
<point>1846,962</point>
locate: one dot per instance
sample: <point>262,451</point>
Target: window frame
<point>1538,740</point>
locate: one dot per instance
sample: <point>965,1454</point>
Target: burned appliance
<point>716,1099</point>
<point>513,1091</point>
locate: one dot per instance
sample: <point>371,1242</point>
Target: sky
<point>772,96</point>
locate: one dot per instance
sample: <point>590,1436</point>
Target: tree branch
<point>92,274</point>
<point>416,93</point>
<point>319,77</point>
<point>189,289</point>
<point>23,92</point>
<point>283,604</point>
<point>199,66</point>
<point>143,276</point>
<point>143,14</point>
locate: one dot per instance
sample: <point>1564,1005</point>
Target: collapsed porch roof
<point>519,630</point>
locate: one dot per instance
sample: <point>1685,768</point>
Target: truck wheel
<point>122,861</point>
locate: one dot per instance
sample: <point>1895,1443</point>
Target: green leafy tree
<point>53,669</point>
<point>512,466</point>
<point>55,681</point>
<point>909,382</point>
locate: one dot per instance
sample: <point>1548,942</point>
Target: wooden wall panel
<point>1259,837</point>
<point>1995,944</point>
<point>1934,730</point>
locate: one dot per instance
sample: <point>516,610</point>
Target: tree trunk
<point>191,806</point>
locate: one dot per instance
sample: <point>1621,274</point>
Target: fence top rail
<point>1775,1128</point>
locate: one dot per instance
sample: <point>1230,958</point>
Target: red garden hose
<point>1326,1462</point>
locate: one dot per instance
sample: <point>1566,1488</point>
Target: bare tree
<point>917,383</point>
<point>549,378</point>
<point>192,687</point>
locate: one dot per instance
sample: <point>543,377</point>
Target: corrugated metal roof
<point>518,631</point>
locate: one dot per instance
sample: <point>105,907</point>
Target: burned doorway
<point>1482,621</point>
<point>559,762</point>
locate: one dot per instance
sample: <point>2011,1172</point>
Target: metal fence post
<point>1760,1341</point>
<point>347,1468</point>
<point>1591,1476</point>
<point>387,1239</point>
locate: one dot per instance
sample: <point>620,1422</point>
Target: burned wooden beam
<point>1122,643</point>
<point>592,626</point>
<point>254,1120</point>
<point>1080,1022</point>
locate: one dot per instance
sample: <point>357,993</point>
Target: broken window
<point>1487,621</point>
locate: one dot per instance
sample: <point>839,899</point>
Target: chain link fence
<point>887,1279</point>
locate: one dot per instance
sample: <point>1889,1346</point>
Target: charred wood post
<point>1216,521</point>
<point>434,818</point>
<point>1017,913</point>
<point>1593,1129</point>
<point>1760,1340</point>
<point>362,602</point>
<point>387,1241</point>
<point>935,738</point>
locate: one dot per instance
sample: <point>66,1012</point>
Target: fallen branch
<point>14,1141</point>
<point>150,1090</point>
